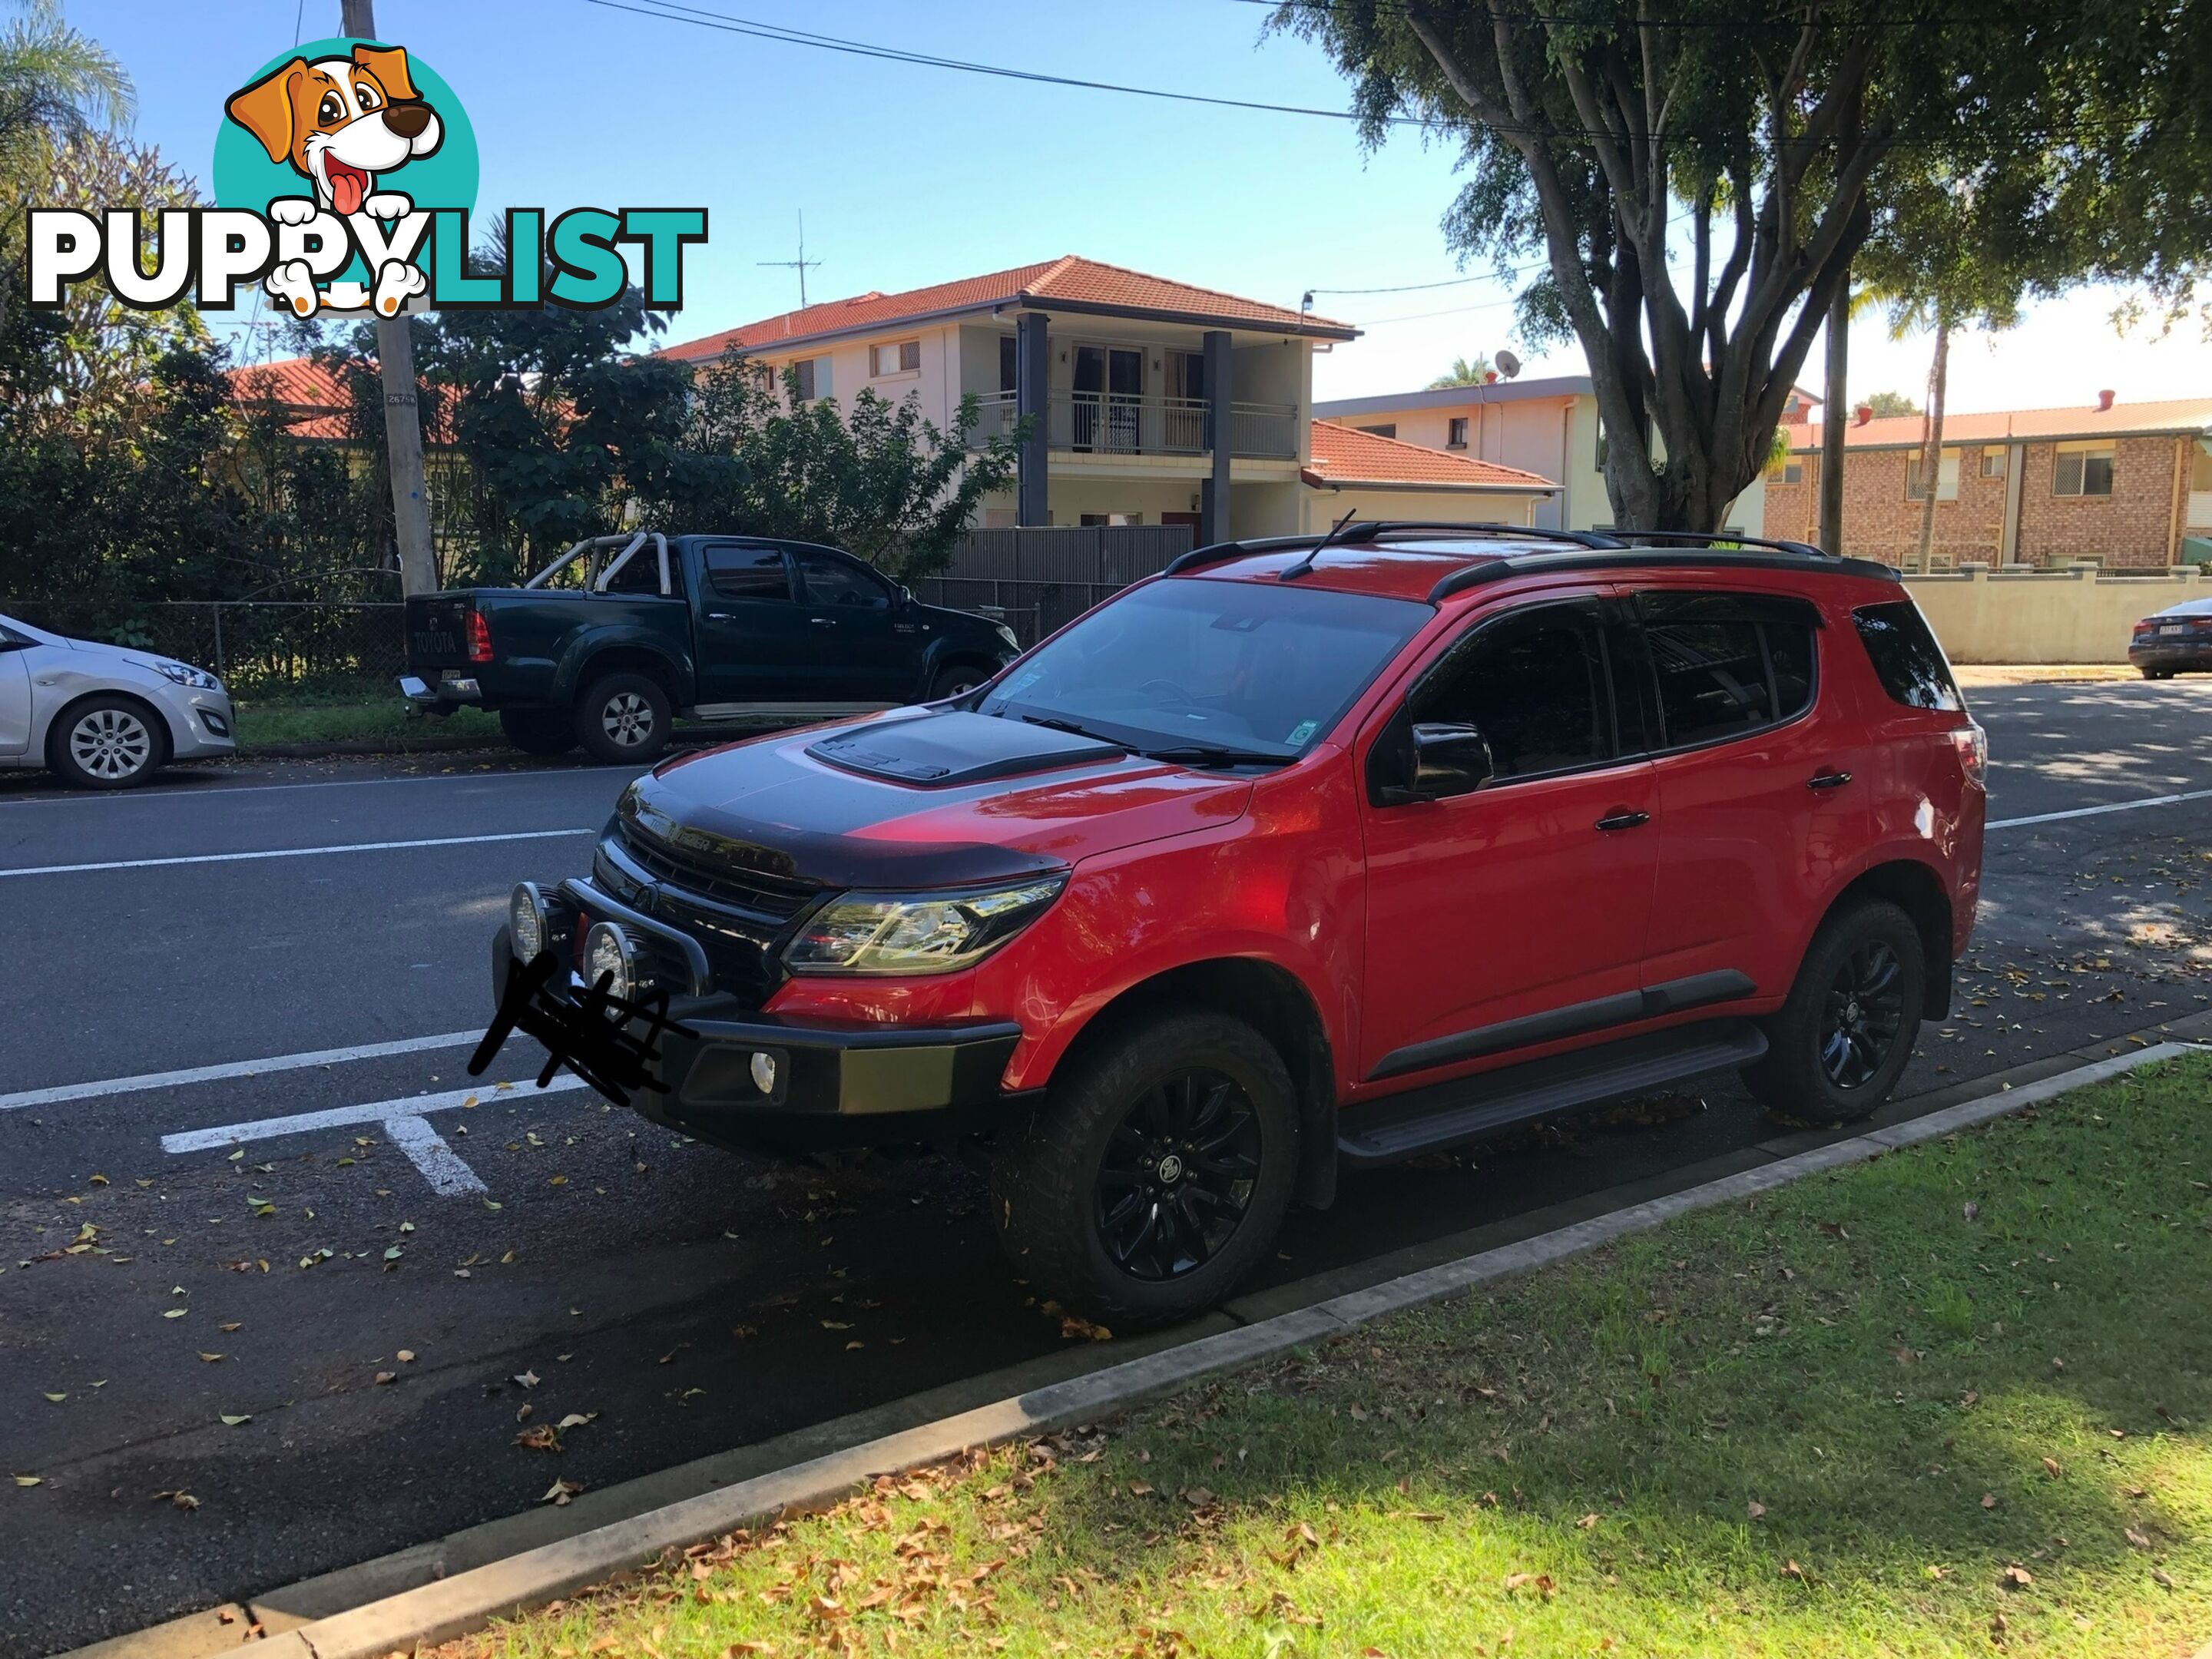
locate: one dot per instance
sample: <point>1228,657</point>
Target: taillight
<point>479,637</point>
<point>2142,628</point>
<point>1971,746</point>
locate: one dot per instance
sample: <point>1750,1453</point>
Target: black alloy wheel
<point>1179,1173</point>
<point>1864,1012</point>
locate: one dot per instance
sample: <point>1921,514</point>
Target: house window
<point>1455,432</point>
<point>1993,463</point>
<point>813,378</point>
<point>1387,429</point>
<point>1790,469</point>
<point>2082,470</point>
<point>1947,478</point>
<point>1187,375</point>
<point>1110,519</point>
<point>1009,364</point>
<point>903,358</point>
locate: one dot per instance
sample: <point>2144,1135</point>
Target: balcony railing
<point>1115,423</point>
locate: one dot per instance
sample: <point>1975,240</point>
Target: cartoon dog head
<point>340,121</point>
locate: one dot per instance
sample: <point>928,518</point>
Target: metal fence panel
<point>1039,579</point>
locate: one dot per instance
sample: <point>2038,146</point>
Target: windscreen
<point>1264,667</point>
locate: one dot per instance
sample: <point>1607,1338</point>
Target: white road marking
<point>291,853</point>
<point>124,1086</point>
<point>427,1150</point>
<point>403,1126</point>
<point>2097,811</point>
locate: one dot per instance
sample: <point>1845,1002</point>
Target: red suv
<point>1309,853</point>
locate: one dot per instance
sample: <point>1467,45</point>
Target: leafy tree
<point>881,482</point>
<point>1885,403</point>
<point>1463,373</point>
<point>56,86</point>
<point>1701,180</point>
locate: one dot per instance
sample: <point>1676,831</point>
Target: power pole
<point>402,416</point>
<point>802,265</point>
<point>1831,422</point>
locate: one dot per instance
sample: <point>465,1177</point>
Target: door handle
<point>720,616</point>
<point>824,622</point>
<point>1624,820</point>
<point>1827,780</point>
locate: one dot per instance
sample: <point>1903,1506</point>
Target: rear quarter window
<point>1906,658</point>
<point>1726,665</point>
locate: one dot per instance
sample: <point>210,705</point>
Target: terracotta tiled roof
<point>2179,414</point>
<point>1069,280</point>
<point>313,400</point>
<point>1344,456</point>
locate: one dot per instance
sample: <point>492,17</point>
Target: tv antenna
<point>802,265</point>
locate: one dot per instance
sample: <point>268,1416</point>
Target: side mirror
<point>905,595</point>
<point>1430,761</point>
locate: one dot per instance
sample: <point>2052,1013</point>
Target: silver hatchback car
<point>104,716</point>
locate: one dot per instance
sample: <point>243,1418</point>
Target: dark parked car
<point>2175,640</point>
<point>1309,854</point>
<point>709,627</point>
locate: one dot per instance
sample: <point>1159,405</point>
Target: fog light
<point>525,921</point>
<point>607,955</point>
<point>763,1071</point>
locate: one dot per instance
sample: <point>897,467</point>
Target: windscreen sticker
<point>1022,682</point>
<point>1302,730</point>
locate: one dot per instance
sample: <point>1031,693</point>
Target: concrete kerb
<point>469,1601</point>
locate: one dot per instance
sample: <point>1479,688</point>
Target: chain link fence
<point>262,649</point>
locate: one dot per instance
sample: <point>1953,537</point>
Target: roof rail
<point>1714,539</point>
<point>1372,530</point>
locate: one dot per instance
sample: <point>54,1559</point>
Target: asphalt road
<point>689,1300</point>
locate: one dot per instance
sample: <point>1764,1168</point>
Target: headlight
<point>916,932</point>
<point>1013,641</point>
<point>607,953</point>
<point>184,674</point>
<point>525,921</point>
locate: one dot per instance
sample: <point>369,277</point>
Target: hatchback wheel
<point>624,718</point>
<point>957,681</point>
<point>1157,1175</point>
<point>1837,1047</point>
<point>107,743</point>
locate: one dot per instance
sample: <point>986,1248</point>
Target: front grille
<point>741,921</point>
<point>761,897</point>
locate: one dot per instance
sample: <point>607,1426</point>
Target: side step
<point>1467,1109</point>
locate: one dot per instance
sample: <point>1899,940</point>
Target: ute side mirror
<point>1428,760</point>
<point>905,594</point>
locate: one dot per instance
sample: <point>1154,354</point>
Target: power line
<point>728,23</point>
<point>1793,18</point>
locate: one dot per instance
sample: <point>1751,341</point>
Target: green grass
<point>1846,1417</point>
<point>388,722</point>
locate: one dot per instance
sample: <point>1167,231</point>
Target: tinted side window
<point>831,581</point>
<point>748,573</point>
<point>1906,658</point>
<point>1534,683</point>
<point>1726,663</point>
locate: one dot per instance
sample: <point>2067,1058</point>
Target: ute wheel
<point>1156,1175</point>
<point>538,731</point>
<point>956,682</point>
<point>107,742</point>
<point>623,720</point>
<point>1839,1045</point>
<point>2158,673</point>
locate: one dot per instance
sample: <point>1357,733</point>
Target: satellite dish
<point>1508,364</point>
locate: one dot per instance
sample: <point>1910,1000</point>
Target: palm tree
<point>55,81</point>
<point>1463,373</point>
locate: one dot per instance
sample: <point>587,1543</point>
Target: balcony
<point>1113,423</point>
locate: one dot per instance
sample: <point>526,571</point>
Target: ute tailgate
<point>438,631</point>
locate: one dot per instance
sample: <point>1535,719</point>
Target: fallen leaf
<point>544,1438</point>
<point>210,1357</point>
<point>1791,1569</point>
<point>1756,1509</point>
<point>30,1480</point>
<point>2050,1467</point>
<point>1972,1210</point>
<point>406,1356</point>
<point>560,1492</point>
<point>58,1398</point>
<point>2159,1576</point>
<point>2016,1577</point>
<point>387,1377</point>
<point>1588,1521</point>
<point>1540,1582</point>
<point>576,1419</point>
<point>528,1379</point>
<point>1988,1500</point>
<point>174,1313</point>
<point>2141,1540</point>
<point>1140,1489</point>
<point>1198,1497</point>
<point>232,1422</point>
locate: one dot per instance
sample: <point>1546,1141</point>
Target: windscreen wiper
<point>1206,753</point>
<point>1052,724</point>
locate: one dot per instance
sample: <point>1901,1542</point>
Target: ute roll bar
<point>597,573</point>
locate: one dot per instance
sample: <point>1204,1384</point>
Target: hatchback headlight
<point>916,932</point>
<point>184,674</point>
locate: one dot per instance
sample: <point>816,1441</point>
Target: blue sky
<point>910,175</point>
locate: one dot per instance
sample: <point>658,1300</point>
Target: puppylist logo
<point>344,175</point>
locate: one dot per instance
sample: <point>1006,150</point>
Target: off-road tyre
<point>1837,1048</point>
<point>1053,1186</point>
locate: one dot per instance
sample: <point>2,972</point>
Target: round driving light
<point>607,955</point>
<point>525,921</point>
<point>763,1071</point>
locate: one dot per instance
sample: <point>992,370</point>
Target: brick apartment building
<point>2128,485</point>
